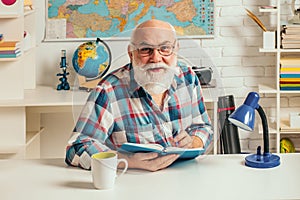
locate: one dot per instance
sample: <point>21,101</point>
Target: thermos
<point>229,136</point>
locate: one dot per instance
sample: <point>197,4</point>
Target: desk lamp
<point>244,118</point>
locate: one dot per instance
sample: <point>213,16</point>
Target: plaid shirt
<point>118,110</point>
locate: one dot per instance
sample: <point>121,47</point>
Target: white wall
<point>234,52</point>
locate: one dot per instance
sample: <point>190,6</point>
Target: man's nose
<point>155,56</point>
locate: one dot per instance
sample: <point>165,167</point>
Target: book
<point>290,61</point>
<point>289,85</point>
<point>289,88</point>
<point>290,79</point>
<point>9,48</point>
<point>290,41</point>
<point>184,153</point>
<point>10,51</point>
<point>10,55</point>
<point>291,46</point>
<point>291,29</point>
<point>10,44</point>
<point>289,82</point>
<point>289,75</point>
<point>290,36</point>
<point>289,69</point>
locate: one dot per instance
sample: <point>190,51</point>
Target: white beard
<point>154,82</point>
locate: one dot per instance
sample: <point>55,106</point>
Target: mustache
<point>158,66</point>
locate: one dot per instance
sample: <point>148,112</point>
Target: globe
<point>92,59</point>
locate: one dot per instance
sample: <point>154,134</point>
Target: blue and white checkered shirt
<point>118,110</point>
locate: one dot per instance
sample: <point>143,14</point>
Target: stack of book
<point>290,73</point>
<point>10,49</point>
<point>290,36</point>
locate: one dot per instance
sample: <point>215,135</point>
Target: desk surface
<point>207,177</point>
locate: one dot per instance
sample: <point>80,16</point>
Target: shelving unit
<point>281,125</point>
<point>17,75</point>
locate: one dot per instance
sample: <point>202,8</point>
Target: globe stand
<point>87,85</point>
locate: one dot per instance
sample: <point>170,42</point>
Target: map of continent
<point>117,18</point>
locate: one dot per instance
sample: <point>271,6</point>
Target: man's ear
<point>177,45</point>
<point>129,52</point>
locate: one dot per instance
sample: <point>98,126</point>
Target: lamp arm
<point>265,128</point>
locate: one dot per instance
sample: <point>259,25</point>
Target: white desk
<point>210,177</point>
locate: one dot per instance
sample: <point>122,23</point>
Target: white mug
<point>104,169</point>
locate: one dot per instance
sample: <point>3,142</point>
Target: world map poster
<point>73,19</point>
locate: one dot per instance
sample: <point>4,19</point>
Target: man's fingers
<point>146,156</point>
<point>183,140</point>
<point>166,161</point>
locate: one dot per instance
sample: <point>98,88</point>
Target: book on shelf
<point>290,37</point>
<point>10,55</point>
<point>289,82</point>
<point>290,61</point>
<point>291,29</point>
<point>285,41</point>
<point>291,46</point>
<point>10,51</point>
<point>184,153</point>
<point>288,69</point>
<point>291,72</point>
<point>294,77</point>
<point>289,88</point>
<point>290,40</point>
<point>10,44</point>
<point>9,48</point>
<point>289,85</point>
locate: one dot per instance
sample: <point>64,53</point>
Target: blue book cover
<point>184,153</point>
<point>290,75</point>
<point>289,88</point>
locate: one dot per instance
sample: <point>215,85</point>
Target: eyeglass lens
<point>165,50</point>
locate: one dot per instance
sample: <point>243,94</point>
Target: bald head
<point>155,23</point>
<point>154,31</point>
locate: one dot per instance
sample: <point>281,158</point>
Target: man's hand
<point>184,140</point>
<point>148,161</point>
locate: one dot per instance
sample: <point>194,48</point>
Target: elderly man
<point>153,99</point>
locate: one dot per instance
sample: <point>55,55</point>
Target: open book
<point>184,153</point>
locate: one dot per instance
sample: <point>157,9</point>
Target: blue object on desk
<point>244,117</point>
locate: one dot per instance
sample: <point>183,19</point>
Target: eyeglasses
<point>163,49</point>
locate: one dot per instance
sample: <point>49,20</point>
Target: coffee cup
<point>104,167</point>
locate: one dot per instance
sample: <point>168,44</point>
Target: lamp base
<point>266,160</point>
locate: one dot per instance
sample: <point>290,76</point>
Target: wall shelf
<point>280,126</point>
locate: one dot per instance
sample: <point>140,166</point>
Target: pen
<point>256,20</point>
<point>174,135</point>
